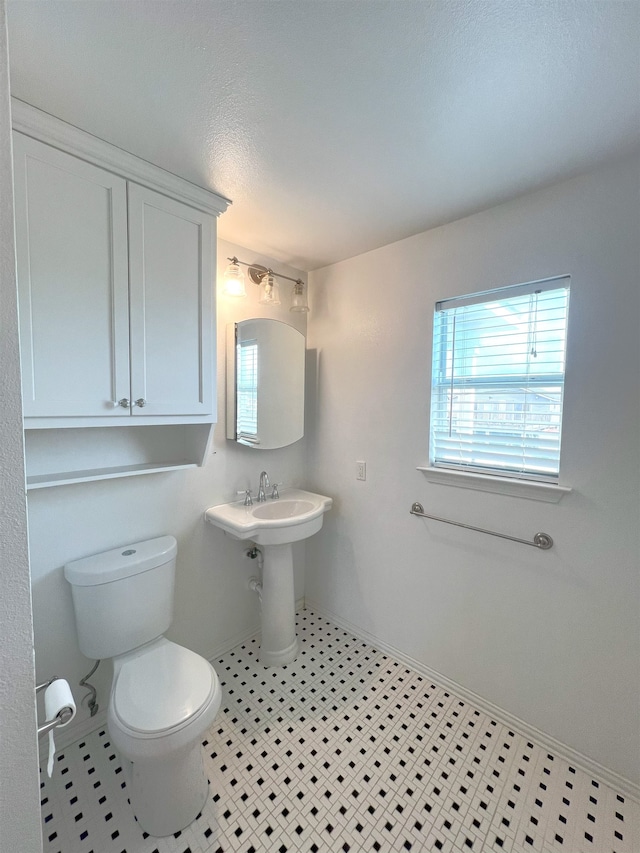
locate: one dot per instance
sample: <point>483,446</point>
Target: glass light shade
<point>270,291</point>
<point>299,298</point>
<point>234,281</point>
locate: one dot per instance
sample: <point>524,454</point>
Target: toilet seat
<point>161,689</point>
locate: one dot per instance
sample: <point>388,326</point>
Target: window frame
<point>473,474</point>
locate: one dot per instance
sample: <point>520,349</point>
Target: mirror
<point>265,383</point>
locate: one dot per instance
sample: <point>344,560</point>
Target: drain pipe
<point>256,586</point>
<point>254,583</point>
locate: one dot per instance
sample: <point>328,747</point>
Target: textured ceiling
<point>337,126</point>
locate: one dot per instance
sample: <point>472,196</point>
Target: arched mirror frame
<point>265,383</point>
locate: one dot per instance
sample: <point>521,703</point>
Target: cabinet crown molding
<point>53,131</point>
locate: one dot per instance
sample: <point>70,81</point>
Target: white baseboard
<point>583,762</point>
<point>232,642</point>
<point>242,637</point>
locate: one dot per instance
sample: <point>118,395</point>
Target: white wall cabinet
<point>116,280</point>
<point>116,293</point>
<point>171,286</point>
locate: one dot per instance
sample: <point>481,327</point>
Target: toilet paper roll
<point>57,698</point>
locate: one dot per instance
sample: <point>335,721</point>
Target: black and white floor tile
<point>346,750</point>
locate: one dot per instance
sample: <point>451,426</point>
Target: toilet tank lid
<point>121,562</point>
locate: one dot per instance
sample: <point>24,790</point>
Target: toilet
<point>164,697</point>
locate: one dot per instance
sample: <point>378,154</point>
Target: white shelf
<point>65,478</point>
<point>61,457</point>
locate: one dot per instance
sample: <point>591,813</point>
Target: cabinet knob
<point>141,402</point>
<point>124,403</point>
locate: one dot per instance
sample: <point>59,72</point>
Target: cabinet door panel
<point>71,238</point>
<point>171,300</point>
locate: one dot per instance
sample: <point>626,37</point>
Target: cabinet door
<point>71,239</point>
<point>171,263</point>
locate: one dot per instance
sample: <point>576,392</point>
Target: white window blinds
<point>247,391</point>
<point>498,380</point>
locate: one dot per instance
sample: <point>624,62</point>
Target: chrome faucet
<point>264,484</point>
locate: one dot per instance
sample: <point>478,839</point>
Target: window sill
<point>547,492</point>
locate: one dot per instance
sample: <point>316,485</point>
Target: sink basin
<point>295,516</point>
<point>283,509</point>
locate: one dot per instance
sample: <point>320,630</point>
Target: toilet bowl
<point>164,697</point>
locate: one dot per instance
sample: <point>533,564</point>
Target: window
<point>498,381</point>
<point>247,391</point>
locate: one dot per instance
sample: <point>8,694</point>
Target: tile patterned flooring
<point>346,750</point>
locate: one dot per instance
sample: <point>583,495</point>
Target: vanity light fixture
<point>234,280</point>
<point>265,278</point>
<point>270,289</point>
<point>299,298</point>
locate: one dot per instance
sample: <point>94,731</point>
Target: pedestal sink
<point>275,525</point>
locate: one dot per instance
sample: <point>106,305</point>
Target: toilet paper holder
<point>63,716</point>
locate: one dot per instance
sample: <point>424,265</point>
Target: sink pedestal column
<point>279,644</point>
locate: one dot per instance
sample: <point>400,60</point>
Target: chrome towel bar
<point>540,540</point>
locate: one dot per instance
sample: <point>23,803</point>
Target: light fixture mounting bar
<point>258,272</point>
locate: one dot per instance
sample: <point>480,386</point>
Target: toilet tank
<point>123,598</point>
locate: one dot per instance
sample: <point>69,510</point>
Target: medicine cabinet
<point>265,383</point>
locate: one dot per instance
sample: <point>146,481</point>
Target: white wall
<point>19,791</point>
<point>213,604</point>
<point>551,637</point>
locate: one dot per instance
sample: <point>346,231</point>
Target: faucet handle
<point>248,500</point>
<point>275,494</point>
